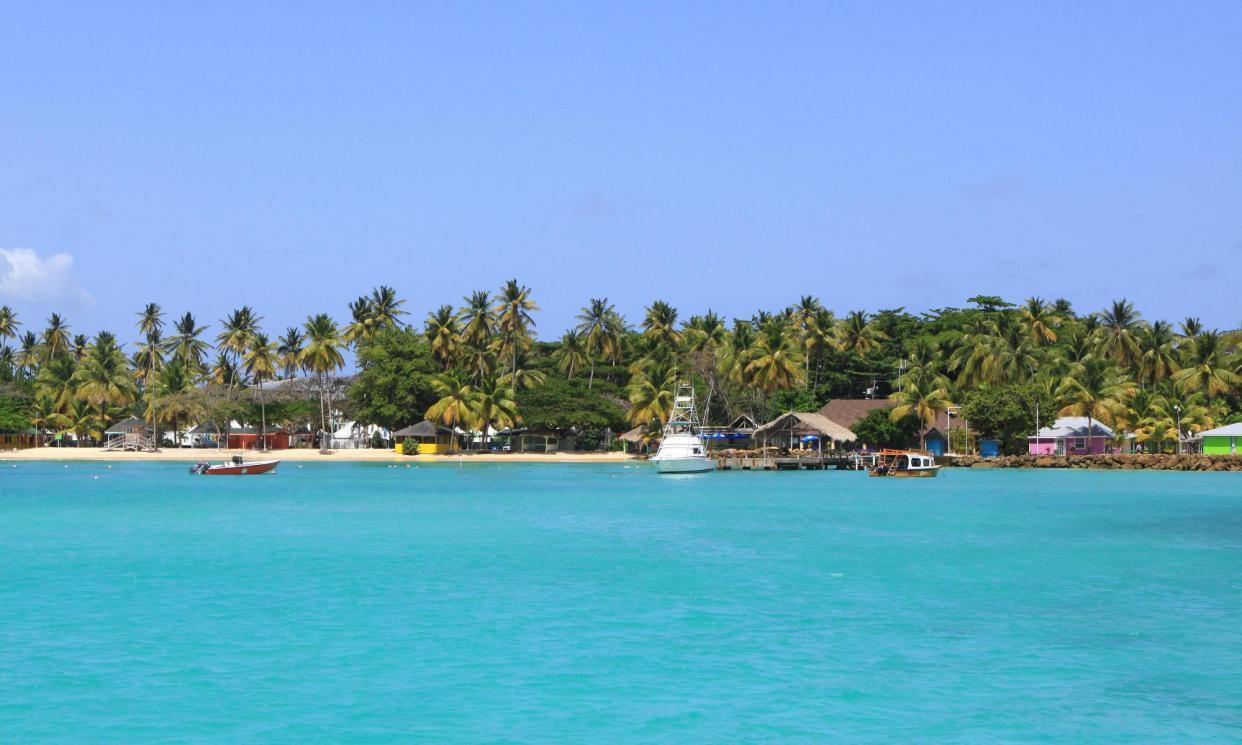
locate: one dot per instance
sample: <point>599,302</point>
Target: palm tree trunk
<point>323,419</point>
<point>591,382</point>
<point>155,425</point>
<point>262,417</point>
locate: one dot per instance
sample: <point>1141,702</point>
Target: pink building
<point>1069,435</point>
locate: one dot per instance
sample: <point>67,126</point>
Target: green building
<point>1225,440</point>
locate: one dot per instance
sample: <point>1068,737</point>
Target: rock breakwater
<point>1136,462</point>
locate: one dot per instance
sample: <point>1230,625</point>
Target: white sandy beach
<point>304,455</point>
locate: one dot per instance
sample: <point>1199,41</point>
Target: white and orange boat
<point>907,463</point>
<point>235,467</point>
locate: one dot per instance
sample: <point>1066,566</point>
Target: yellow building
<point>426,438</point>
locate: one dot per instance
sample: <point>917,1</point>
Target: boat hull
<point>685,465</point>
<point>243,469</point>
<point>918,473</point>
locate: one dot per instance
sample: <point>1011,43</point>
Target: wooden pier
<point>791,462</point>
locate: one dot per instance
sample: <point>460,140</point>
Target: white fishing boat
<point>681,448</point>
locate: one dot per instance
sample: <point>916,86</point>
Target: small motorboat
<point>907,463</point>
<point>235,467</point>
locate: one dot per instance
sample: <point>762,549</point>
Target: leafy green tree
<point>14,414</point>
<point>1007,413</point>
<point>560,404</point>
<point>393,386</point>
<point>879,430</point>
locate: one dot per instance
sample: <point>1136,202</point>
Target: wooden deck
<point>794,463</point>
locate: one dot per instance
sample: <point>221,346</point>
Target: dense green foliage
<point>14,414</point>
<point>879,430</point>
<point>393,386</point>
<point>478,365</point>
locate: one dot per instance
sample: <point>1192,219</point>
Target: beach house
<point>1072,435</point>
<point>1226,440</point>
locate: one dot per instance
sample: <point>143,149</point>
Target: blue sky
<point>732,156</point>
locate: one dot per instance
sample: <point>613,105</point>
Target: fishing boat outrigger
<point>906,463</point>
<point>235,467</point>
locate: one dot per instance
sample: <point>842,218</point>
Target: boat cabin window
<point>698,451</point>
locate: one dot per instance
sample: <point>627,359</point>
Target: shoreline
<point>214,455</point>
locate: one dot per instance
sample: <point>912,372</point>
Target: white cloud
<point>25,275</point>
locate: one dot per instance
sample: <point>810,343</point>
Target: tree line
<point>477,365</point>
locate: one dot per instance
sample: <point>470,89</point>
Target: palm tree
<point>385,307</point>
<point>28,356</point>
<point>56,336</point>
<point>226,372</point>
<point>44,416</point>
<point>735,355</point>
<point>150,325</point>
<point>55,380</point>
<point>523,379</point>
<point>494,404</point>
<point>571,354</point>
<point>1040,320</point>
<point>820,336</point>
<point>186,346</point>
<point>775,363</point>
<point>361,328</point>
<point>1095,389</point>
<point>1191,327</point>
<point>923,392</point>
<point>442,334</point>
<point>261,361</point>
<point>807,307</point>
<point>660,326</point>
<point>478,361</point>
<point>1207,369</point>
<point>859,335</point>
<point>706,335</point>
<point>289,347</point>
<point>8,323</point>
<point>456,404</point>
<point>83,420</point>
<point>1190,409</point>
<point>477,318</point>
<point>323,357</point>
<point>1002,352</point>
<point>78,346</point>
<point>1157,359</point>
<point>651,394</point>
<point>1119,326</point>
<point>234,339</point>
<point>602,329</point>
<point>513,318</point>
<point>175,383</point>
<point>103,377</point>
<point>8,363</point>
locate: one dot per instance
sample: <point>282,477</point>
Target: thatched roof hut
<point>431,438</point>
<point>790,429</point>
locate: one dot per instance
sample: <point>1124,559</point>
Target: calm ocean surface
<point>604,603</point>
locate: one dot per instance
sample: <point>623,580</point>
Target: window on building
<point>1080,443</point>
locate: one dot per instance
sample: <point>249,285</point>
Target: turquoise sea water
<point>604,603</point>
